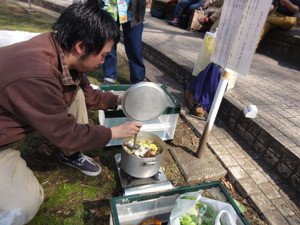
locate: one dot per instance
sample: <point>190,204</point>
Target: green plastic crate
<point>131,210</point>
<point>164,126</point>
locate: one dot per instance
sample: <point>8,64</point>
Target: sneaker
<point>107,82</point>
<point>81,162</point>
<point>205,21</point>
<point>174,22</point>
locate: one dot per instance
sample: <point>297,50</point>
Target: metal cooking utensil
<point>144,101</point>
<point>135,145</point>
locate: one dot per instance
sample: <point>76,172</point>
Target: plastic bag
<point>205,53</point>
<point>194,24</point>
<point>12,217</point>
<point>193,206</point>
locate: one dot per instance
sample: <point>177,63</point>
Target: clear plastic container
<point>164,126</point>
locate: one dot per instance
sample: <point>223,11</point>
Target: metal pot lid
<point>144,101</point>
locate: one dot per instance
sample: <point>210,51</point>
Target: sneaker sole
<point>89,173</point>
<point>173,24</point>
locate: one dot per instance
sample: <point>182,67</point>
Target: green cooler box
<point>133,209</point>
<point>164,126</point>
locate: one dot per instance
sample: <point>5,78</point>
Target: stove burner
<point>133,185</point>
<point>130,178</point>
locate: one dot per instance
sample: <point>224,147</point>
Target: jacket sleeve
<point>38,103</point>
<point>138,12</point>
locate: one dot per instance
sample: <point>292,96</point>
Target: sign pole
<point>226,76</point>
<point>240,25</point>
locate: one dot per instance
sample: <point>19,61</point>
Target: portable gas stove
<point>132,185</point>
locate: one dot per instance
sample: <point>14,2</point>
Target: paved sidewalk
<point>261,156</point>
<point>254,152</point>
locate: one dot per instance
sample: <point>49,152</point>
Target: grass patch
<point>14,17</point>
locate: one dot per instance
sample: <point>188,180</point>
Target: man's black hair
<point>88,23</point>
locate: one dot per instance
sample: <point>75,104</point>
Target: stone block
<point>220,150</point>
<point>239,130</point>
<point>249,138</point>
<point>283,170</point>
<point>259,148</point>
<point>246,164</point>
<point>232,123</point>
<point>270,158</point>
<point>261,203</point>
<point>253,128</point>
<point>228,161</point>
<point>257,177</point>
<point>247,187</point>
<point>264,137</point>
<point>237,153</point>
<point>227,143</point>
<point>295,179</point>
<point>269,190</point>
<point>293,219</point>
<point>290,159</point>
<point>283,206</point>
<point>237,173</point>
<point>234,111</point>
<point>289,192</point>
<point>276,148</point>
<point>274,217</point>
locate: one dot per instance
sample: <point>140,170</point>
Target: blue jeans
<point>134,52</point>
<point>190,5</point>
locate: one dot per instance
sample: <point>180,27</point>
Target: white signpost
<point>240,26</point>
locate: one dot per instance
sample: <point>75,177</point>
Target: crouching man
<point>43,88</point>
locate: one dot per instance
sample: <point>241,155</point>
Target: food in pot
<point>147,148</point>
<point>151,222</point>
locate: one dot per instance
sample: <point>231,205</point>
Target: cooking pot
<point>142,167</point>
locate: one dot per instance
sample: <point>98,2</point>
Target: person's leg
<point>183,4</point>
<point>178,11</point>
<point>194,5</point>
<point>277,20</point>
<point>110,66</point>
<point>78,108</point>
<point>216,15</point>
<point>282,21</point>
<point>266,28</point>
<point>134,51</point>
<point>77,159</point>
<point>215,25</point>
<point>19,188</point>
<point>212,22</point>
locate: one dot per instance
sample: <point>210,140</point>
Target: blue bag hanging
<point>203,89</point>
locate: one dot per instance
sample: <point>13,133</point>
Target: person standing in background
<point>130,15</point>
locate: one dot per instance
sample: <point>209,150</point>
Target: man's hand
<point>120,98</point>
<point>284,2</point>
<point>293,8</point>
<point>126,130</point>
<point>206,4</point>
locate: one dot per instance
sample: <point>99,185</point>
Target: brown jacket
<point>33,98</point>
